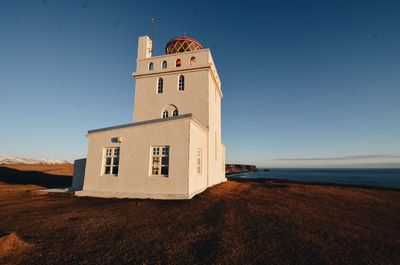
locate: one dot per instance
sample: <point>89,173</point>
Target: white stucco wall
<point>134,178</point>
<point>216,149</point>
<point>194,99</point>
<point>202,97</point>
<point>198,140</point>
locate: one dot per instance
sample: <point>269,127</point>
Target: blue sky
<point>306,83</point>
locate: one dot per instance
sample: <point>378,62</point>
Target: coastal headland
<point>239,168</point>
<point>236,222</point>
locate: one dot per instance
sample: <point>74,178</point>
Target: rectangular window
<point>160,161</point>
<point>111,161</point>
<point>215,148</point>
<point>198,162</point>
<point>160,85</point>
<point>181,83</point>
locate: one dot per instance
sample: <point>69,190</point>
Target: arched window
<point>192,61</point>
<point>164,65</point>
<point>178,63</point>
<point>165,114</point>
<point>181,83</point>
<point>160,85</point>
<point>169,111</point>
<point>151,66</point>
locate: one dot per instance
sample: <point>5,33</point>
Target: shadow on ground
<point>15,176</point>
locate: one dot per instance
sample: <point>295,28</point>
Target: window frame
<point>192,61</point>
<point>199,162</point>
<point>164,65</point>
<point>160,152</point>
<point>165,114</point>
<point>160,85</point>
<point>114,154</point>
<point>181,83</point>
<point>178,62</point>
<point>151,66</point>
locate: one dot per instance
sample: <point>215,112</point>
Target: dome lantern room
<point>182,44</point>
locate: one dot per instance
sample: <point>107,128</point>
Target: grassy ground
<point>249,222</point>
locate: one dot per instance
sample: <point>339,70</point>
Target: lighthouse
<point>172,149</point>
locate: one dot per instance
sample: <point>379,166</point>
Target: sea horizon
<point>375,177</point>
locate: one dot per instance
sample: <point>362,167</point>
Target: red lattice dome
<point>182,44</point>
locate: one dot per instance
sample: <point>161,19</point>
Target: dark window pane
<point>115,170</point>
<point>108,161</point>
<point>164,171</point>
<point>165,161</point>
<point>107,170</point>
<point>116,161</point>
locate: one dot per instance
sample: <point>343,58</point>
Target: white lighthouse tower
<point>173,147</point>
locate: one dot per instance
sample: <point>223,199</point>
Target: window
<point>160,161</point>
<point>111,161</point>
<point>198,162</point>
<point>165,114</point>
<point>164,65</point>
<point>181,83</point>
<point>192,61</point>
<point>215,146</point>
<point>151,66</point>
<point>178,63</point>
<point>160,85</point>
<point>169,111</point>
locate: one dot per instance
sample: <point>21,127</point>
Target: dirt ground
<point>252,222</point>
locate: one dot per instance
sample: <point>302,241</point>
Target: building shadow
<point>15,176</point>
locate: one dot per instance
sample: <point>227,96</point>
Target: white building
<point>173,148</point>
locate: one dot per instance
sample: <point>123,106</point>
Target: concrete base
<point>60,190</point>
<point>106,194</point>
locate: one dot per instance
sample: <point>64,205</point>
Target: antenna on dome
<point>153,21</point>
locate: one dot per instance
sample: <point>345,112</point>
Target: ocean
<point>388,178</point>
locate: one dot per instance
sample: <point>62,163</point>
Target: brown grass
<point>233,223</point>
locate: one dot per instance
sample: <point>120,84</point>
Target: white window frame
<point>199,162</point>
<point>157,163</point>
<point>111,160</point>
<point>165,114</point>
<point>181,83</point>
<point>160,85</point>
<point>216,144</point>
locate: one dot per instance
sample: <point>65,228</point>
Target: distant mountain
<point>4,160</point>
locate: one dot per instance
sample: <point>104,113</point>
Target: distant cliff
<point>237,168</point>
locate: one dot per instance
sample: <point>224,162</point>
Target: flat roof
<point>133,124</point>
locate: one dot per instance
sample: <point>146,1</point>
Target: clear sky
<point>306,83</point>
